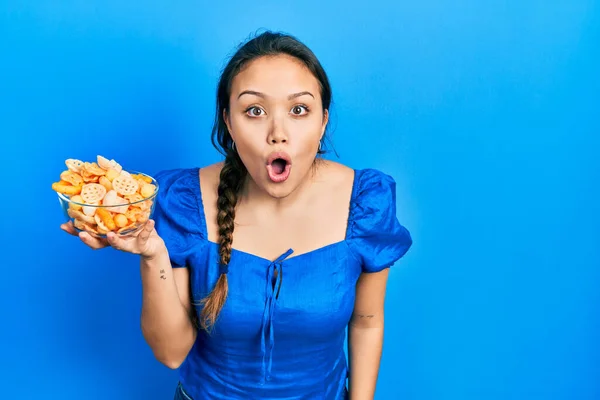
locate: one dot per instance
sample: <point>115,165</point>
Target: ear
<point>226,119</point>
<point>325,121</point>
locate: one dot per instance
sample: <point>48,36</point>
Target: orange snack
<point>132,213</point>
<point>104,181</point>
<point>104,197</point>
<point>76,199</point>
<point>147,190</point>
<point>72,177</point>
<point>111,174</point>
<point>121,220</point>
<point>106,218</point>
<point>66,188</point>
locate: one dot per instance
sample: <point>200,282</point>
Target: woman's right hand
<point>144,242</point>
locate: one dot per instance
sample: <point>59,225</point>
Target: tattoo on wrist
<point>364,315</point>
<point>162,274</point>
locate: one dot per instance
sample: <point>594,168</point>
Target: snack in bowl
<point>100,197</point>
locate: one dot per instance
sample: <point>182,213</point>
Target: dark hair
<point>234,172</point>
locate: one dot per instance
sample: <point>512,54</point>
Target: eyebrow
<point>290,97</point>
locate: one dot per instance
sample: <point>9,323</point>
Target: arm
<point>166,310</point>
<point>166,304</point>
<point>365,334</point>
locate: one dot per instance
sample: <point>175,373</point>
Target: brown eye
<point>299,110</point>
<point>255,111</point>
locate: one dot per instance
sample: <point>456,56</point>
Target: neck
<point>258,197</point>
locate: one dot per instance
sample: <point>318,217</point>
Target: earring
<point>320,147</point>
<point>233,147</point>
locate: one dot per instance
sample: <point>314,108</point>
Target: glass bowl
<point>124,217</point>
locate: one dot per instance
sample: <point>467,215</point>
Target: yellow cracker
<point>132,213</point>
<point>72,177</point>
<point>133,227</point>
<point>147,190</point>
<point>132,198</point>
<point>93,169</point>
<point>76,199</point>
<point>103,162</point>
<point>125,185</point>
<point>104,181</point>
<point>78,215</point>
<point>107,164</point>
<point>143,216</point>
<point>89,178</point>
<point>85,227</point>
<point>93,193</point>
<point>74,165</point>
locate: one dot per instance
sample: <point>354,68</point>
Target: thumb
<point>144,234</point>
<point>134,243</point>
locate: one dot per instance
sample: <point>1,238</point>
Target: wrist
<point>159,257</point>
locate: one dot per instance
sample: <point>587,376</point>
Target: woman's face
<point>276,120</point>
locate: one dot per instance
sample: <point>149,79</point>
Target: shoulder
<point>166,178</point>
<point>375,232</point>
<point>176,201</point>
<point>338,177</point>
<point>373,195</point>
<point>364,182</point>
<point>371,181</point>
<point>210,176</point>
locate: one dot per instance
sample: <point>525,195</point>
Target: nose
<point>277,132</point>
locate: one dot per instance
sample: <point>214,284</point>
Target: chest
<point>305,297</point>
<point>305,232</point>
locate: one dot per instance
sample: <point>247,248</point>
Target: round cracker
<point>72,177</point>
<point>74,165</point>
<point>93,169</point>
<point>92,193</point>
<point>125,185</point>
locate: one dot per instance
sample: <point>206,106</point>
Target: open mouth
<point>279,166</point>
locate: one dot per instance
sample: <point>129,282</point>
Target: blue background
<point>486,114</point>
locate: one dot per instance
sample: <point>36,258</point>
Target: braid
<point>231,181</point>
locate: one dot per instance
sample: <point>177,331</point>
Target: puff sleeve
<point>176,213</point>
<point>375,235</point>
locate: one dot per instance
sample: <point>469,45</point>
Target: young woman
<point>253,268</point>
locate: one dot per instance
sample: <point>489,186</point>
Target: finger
<point>115,241</point>
<point>146,232</point>
<point>91,241</point>
<point>69,228</point>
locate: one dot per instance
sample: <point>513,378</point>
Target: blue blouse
<point>281,341</point>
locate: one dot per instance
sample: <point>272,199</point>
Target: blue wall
<point>487,115</point>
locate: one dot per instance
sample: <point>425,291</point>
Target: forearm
<point>166,324</point>
<point>365,346</point>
